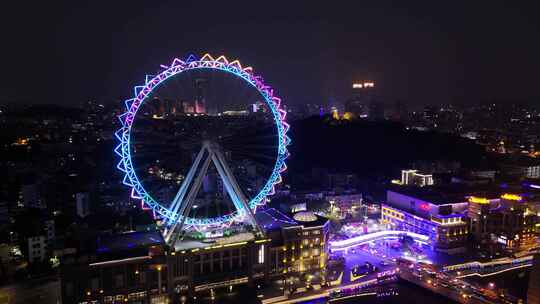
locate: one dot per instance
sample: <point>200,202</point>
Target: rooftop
<point>194,244</point>
<point>450,194</point>
<point>520,160</point>
<point>127,241</point>
<point>271,219</point>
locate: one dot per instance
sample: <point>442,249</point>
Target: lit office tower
<point>159,107</point>
<point>364,101</point>
<point>200,97</point>
<point>533,292</point>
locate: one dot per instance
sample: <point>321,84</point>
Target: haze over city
<point>421,52</point>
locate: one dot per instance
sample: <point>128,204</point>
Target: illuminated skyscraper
<point>200,97</point>
<point>364,101</point>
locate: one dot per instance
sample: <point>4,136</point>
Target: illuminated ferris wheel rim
<point>152,82</point>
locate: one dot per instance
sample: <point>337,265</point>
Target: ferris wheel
<point>212,152</point>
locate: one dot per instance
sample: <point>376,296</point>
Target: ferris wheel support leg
<point>188,203</point>
<point>230,189</point>
<point>236,189</point>
<point>175,204</point>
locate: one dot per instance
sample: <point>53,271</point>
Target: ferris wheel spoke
<point>171,142</point>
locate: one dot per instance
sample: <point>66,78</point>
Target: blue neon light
<point>151,82</point>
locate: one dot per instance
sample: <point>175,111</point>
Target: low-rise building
<point>138,267</point>
<point>299,244</point>
<point>521,166</point>
<point>414,177</point>
<point>506,219</point>
<point>429,213</point>
<point>127,268</point>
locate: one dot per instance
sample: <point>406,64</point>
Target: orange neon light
<point>207,57</point>
<point>222,59</point>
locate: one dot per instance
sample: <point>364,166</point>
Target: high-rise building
<point>82,201</point>
<point>159,107</point>
<point>362,94</point>
<point>399,112</point>
<point>30,196</point>
<point>37,248</point>
<point>364,101</point>
<point>50,231</point>
<point>200,97</point>
<point>376,110</point>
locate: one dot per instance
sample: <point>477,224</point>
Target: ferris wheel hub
<point>174,213</point>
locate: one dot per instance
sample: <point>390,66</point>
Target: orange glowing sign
<point>478,200</point>
<point>511,197</point>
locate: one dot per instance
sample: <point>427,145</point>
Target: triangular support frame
<point>183,202</point>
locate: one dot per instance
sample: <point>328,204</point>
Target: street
<point>43,291</point>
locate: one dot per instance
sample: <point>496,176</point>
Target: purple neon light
<point>177,66</point>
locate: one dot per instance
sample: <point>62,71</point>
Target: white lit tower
<point>362,96</point>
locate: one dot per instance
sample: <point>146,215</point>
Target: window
<point>261,254</point>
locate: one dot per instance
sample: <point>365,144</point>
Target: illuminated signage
<point>425,207</point>
<point>478,200</point>
<point>511,197</point>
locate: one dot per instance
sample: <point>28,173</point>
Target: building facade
<point>444,222</point>
<point>506,219</point>
<point>138,267</point>
<point>37,248</point>
<point>413,177</point>
<point>129,268</point>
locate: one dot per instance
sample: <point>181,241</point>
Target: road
<point>43,291</point>
<point>449,291</point>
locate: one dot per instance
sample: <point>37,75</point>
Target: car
<point>335,294</point>
<point>384,263</point>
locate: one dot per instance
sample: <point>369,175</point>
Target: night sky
<point>420,52</point>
